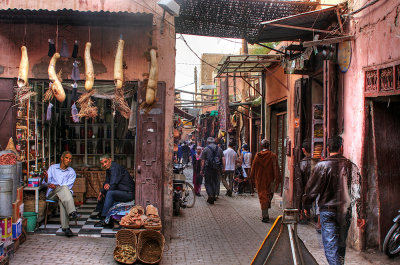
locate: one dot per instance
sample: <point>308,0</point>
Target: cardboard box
<point>20,194</point>
<point>6,227</point>
<point>17,229</point>
<point>79,185</point>
<point>79,198</point>
<point>15,211</point>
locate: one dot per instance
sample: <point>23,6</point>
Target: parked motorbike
<point>183,196</point>
<point>391,245</point>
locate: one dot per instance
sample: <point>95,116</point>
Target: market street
<point>228,232</point>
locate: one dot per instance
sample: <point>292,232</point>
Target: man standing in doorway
<point>212,159</point>
<point>61,178</point>
<point>336,180</point>
<point>231,158</point>
<point>265,174</point>
<point>118,187</point>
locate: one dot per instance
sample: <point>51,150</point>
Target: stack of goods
<point>317,151</point>
<point>8,159</point>
<point>125,250</point>
<point>79,189</point>
<point>29,203</point>
<point>134,219</point>
<point>153,220</point>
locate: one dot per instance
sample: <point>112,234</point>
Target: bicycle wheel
<point>391,245</point>
<point>189,197</point>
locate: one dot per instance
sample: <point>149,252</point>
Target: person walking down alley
<point>185,153</point>
<point>245,157</point>
<point>337,181</point>
<point>231,158</point>
<point>302,174</point>
<point>197,176</point>
<point>118,187</point>
<point>61,178</point>
<point>265,174</point>
<point>212,159</point>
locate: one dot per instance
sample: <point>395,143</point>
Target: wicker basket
<point>125,237</point>
<point>150,246</point>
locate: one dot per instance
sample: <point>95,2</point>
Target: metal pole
<point>195,85</point>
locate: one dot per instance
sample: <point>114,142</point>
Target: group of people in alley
<point>331,186</point>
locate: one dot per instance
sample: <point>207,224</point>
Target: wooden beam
<point>328,41</point>
<point>297,27</point>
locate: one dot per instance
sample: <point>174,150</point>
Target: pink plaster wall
<point>377,34</point>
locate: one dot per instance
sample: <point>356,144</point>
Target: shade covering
<point>183,114</point>
<point>233,18</point>
<point>246,63</point>
<point>318,19</point>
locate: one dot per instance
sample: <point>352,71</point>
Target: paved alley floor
<point>228,232</point>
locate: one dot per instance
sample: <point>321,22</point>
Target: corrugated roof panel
<point>74,17</point>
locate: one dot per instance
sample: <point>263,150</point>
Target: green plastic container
<point>31,218</point>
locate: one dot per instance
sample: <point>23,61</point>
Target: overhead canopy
<point>183,114</point>
<point>246,63</point>
<point>75,17</point>
<point>233,18</point>
<point>301,26</point>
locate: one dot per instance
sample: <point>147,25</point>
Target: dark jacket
<point>336,179</point>
<point>302,174</point>
<point>119,178</point>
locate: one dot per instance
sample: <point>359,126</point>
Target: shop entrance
<point>382,167</point>
<point>279,133</point>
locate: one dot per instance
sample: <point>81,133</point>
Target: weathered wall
<point>104,42</point>
<point>377,34</point>
<point>275,91</point>
<point>135,46</point>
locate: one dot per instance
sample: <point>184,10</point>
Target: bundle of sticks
<point>86,105</point>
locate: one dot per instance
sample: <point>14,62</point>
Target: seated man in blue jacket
<point>118,187</point>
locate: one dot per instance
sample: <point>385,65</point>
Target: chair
<point>47,211</point>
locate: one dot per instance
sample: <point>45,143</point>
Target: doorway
<point>382,168</point>
<point>279,132</point>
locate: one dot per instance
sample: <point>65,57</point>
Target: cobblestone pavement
<point>228,232</point>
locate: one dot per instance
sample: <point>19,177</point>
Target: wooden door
<point>330,102</point>
<point>386,128</point>
<point>150,149</point>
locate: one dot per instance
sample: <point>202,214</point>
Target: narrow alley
<point>228,232</point>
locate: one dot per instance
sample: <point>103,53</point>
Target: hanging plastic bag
<point>48,114</point>
<point>74,112</point>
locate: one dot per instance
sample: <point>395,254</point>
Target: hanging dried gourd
<point>119,100</point>
<point>23,68</point>
<point>151,90</point>
<point>56,86</point>
<point>118,65</point>
<point>89,70</point>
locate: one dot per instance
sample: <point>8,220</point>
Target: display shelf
<point>317,137</point>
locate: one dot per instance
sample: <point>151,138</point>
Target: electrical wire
<point>196,53</point>
<point>185,85</point>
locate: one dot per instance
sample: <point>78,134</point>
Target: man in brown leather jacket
<point>337,180</point>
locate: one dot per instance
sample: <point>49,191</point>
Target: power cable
<point>196,53</point>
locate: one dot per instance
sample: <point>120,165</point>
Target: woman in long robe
<point>197,177</point>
